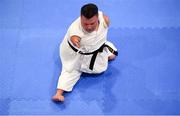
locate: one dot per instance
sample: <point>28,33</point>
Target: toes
<point>61,98</point>
<point>58,98</point>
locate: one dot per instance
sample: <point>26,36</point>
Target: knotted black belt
<point>94,53</point>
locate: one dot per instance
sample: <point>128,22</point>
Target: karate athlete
<point>84,49</point>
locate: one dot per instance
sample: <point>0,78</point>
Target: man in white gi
<point>84,49</point>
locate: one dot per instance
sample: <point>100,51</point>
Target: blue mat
<point>144,79</point>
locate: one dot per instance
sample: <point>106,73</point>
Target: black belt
<point>94,53</point>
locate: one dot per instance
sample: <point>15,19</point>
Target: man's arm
<point>106,18</point>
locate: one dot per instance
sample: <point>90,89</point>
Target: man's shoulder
<point>75,23</point>
<point>105,18</point>
<point>75,28</point>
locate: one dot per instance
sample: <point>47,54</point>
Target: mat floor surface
<point>144,78</point>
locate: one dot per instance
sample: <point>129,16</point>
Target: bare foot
<point>111,57</point>
<point>58,98</point>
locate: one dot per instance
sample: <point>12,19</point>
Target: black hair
<point>89,10</point>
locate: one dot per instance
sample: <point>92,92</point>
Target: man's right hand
<point>76,41</point>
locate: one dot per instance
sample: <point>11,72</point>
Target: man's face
<point>91,24</point>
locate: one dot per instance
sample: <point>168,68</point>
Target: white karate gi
<point>73,63</point>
